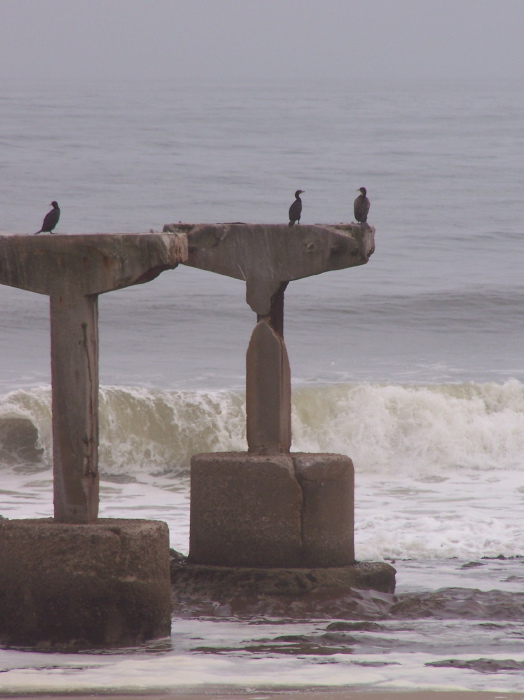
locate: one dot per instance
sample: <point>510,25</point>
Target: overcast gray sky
<point>261,40</point>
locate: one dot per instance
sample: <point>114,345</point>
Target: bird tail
<point>291,223</point>
<point>37,232</point>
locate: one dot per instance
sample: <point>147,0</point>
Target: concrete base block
<point>288,510</point>
<point>299,593</point>
<point>68,587</point>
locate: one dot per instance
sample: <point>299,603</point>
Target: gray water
<point>411,364</point>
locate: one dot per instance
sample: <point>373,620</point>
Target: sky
<point>268,41</point>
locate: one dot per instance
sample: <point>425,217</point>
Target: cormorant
<point>361,206</point>
<point>51,219</point>
<point>295,210</point>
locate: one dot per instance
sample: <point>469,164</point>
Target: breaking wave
<point>385,428</point>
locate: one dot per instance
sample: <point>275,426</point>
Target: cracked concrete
<point>293,510</point>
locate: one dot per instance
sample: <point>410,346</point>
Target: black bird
<point>295,210</point>
<point>361,206</point>
<point>51,219</point>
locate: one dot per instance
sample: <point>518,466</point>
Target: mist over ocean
<point>412,365</point>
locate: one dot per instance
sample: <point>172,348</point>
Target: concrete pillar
<point>268,383</point>
<point>74,375</point>
<point>269,507</point>
<point>268,392</point>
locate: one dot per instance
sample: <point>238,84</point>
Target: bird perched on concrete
<point>51,219</point>
<point>361,206</point>
<point>295,210</point>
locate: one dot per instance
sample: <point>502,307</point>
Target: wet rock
<point>480,665</point>
<point>342,626</point>
<point>460,603</point>
<point>333,638</point>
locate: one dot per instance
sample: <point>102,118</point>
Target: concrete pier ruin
<point>266,509</point>
<point>269,507</point>
<point>74,581</point>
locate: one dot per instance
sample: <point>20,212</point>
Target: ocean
<point>412,364</point>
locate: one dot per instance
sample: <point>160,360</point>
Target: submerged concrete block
<point>286,511</point>
<point>69,587</point>
<point>245,510</point>
<point>280,592</point>
<point>328,485</point>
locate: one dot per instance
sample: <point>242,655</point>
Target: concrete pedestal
<point>67,587</point>
<point>276,592</point>
<point>287,510</point>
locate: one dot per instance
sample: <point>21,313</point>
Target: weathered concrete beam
<point>73,270</point>
<point>87,263</point>
<point>265,255</point>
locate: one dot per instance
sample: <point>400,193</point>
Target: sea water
<point>412,364</point>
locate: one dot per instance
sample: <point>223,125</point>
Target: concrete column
<point>268,392</point>
<point>280,510</point>
<point>74,372</point>
<point>268,383</point>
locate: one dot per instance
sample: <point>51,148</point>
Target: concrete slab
<point>87,263</point>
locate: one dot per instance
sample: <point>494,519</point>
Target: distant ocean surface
<point>413,365</point>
